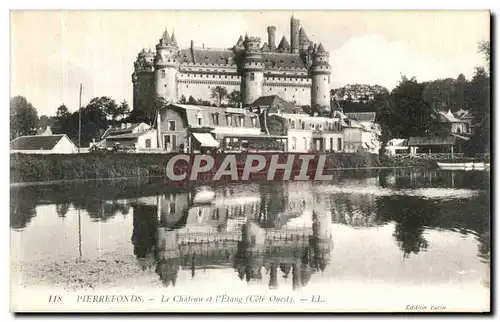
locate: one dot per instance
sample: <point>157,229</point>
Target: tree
<point>183,100</point>
<point>234,98</point>
<point>484,48</point>
<point>46,121</point>
<point>23,117</point>
<point>416,117</point>
<point>106,105</point>
<point>219,93</point>
<point>62,111</point>
<point>158,104</point>
<point>123,111</point>
<point>192,100</point>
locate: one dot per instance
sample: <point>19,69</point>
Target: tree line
<point>412,107</point>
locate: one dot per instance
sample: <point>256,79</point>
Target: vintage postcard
<point>250,161</point>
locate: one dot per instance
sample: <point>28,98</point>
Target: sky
<point>52,52</point>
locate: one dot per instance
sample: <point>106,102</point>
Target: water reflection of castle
<point>244,228</point>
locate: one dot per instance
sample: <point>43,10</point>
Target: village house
<point>452,124</point>
<point>307,133</point>
<point>370,132</point>
<point>190,128</point>
<point>43,144</point>
<point>396,147</point>
<point>452,137</point>
<point>138,136</point>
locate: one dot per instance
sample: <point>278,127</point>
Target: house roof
<point>126,136</point>
<point>448,118</point>
<point>276,103</point>
<point>362,116</point>
<point>118,131</point>
<point>193,111</point>
<point>435,140</point>
<point>37,142</point>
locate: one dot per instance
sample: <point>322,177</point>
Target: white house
<point>396,146</point>
<point>133,135</point>
<point>43,144</point>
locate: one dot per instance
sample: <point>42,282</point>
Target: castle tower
<point>320,75</point>
<point>271,38</point>
<point>166,65</point>
<point>142,80</point>
<point>294,34</point>
<point>252,80</point>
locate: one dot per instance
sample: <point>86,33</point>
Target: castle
<point>298,71</point>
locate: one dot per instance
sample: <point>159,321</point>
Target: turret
<point>142,79</point>
<point>252,81</point>
<point>166,63</point>
<point>271,38</point>
<point>294,35</point>
<point>320,75</point>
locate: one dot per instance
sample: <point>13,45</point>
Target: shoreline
<point>55,182</point>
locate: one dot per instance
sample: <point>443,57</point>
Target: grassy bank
<point>46,167</point>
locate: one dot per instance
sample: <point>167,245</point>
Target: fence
<point>428,156</point>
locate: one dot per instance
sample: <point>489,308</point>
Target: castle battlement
<point>251,67</point>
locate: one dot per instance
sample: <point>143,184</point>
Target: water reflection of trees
<point>22,207</point>
<point>413,215</point>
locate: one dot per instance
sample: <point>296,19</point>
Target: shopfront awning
<point>206,140</point>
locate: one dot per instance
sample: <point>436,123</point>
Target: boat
<point>467,166</point>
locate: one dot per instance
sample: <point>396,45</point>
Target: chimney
<point>203,46</point>
<point>271,37</point>
<point>294,35</point>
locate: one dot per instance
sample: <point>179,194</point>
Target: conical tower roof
<point>284,45</point>
<point>320,48</point>
<point>303,36</point>
<point>173,41</point>
<point>165,37</point>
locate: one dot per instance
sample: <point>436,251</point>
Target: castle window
<point>187,86</point>
<point>162,73</point>
<point>324,79</point>
<point>285,89</point>
<point>225,76</point>
<point>252,76</point>
<point>242,121</point>
<point>294,143</point>
<point>229,120</point>
<point>254,121</point>
<point>213,76</point>
<point>165,85</point>
<point>303,125</point>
